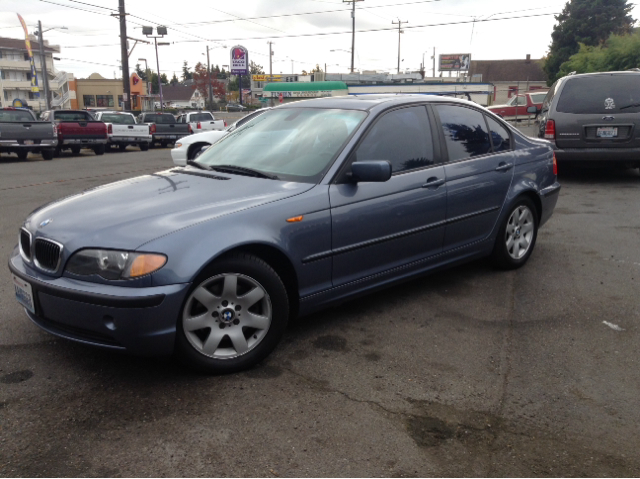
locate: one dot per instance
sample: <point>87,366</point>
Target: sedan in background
<point>190,147</point>
<point>306,206</point>
<point>235,107</point>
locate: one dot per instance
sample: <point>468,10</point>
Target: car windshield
<point>601,94</point>
<point>15,115</point>
<point>118,119</point>
<point>160,118</point>
<point>201,117</point>
<point>294,144</point>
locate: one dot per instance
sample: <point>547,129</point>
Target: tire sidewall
<point>501,256</point>
<point>261,272</point>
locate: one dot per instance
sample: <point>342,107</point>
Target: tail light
<point>550,130</point>
<point>110,129</point>
<point>190,129</point>
<point>225,123</point>
<point>152,128</point>
<point>555,164</point>
<point>199,126</point>
<point>55,130</point>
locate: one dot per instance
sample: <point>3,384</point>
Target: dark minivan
<point>594,118</point>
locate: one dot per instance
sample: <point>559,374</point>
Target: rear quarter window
<point>201,117</point>
<point>600,94</point>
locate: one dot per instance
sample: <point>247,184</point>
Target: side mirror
<point>532,109</point>
<point>377,171</point>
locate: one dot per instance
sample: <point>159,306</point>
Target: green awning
<point>306,86</point>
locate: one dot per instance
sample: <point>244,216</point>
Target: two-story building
<point>15,75</point>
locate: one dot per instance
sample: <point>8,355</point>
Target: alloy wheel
<point>519,232</point>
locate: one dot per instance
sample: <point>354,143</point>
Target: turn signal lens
<point>146,264</point>
<point>177,145</point>
<point>295,219</point>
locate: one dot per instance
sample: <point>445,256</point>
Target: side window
<point>402,137</point>
<point>499,136</point>
<point>465,132</point>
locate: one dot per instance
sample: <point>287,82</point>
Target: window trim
<point>340,177</point>
<point>443,141</point>
<point>509,132</point>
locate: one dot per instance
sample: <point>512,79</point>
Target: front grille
<point>25,244</point>
<point>47,254</point>
<point>623,132</point>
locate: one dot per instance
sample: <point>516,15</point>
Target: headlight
<point>177,145</point>
<point>111,264</point>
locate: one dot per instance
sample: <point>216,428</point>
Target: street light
<point>43,61</point>
<point>162,31</point>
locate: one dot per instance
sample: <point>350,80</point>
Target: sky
<point>304,32</point>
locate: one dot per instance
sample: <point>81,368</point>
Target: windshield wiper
<point>197,164</point>
<point>241,170</point>
<point>630,106</point>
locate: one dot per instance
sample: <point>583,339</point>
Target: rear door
<point>599,111</point>
<point>479,168</point>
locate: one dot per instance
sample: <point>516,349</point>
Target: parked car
<point>235,107</point>
<point>594,118</point>
<point>190,147</point>
<point>306,206</point>
<point>122,130</point>
<point>201,121</point>
<point>21,133</point>
<point>164,128</point>
<point>521,107</point>
<point>77,129</point>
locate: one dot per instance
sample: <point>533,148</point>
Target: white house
<point>182,97</point>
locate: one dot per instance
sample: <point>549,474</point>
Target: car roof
<point>582,75</point>
<point>368,101</point>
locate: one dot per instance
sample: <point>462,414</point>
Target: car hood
<point>130,213</point>
<point>494,107</point>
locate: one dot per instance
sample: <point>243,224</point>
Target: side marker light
<point>295,219</point>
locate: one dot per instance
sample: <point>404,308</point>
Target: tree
<point>619,52</point>
<point>201,79</point>
<point>141,73</point>
<point>174,79</point>
<point>155,89</point>
<point>255,69</point>
<point>588,22</point>
<point>186,74</point>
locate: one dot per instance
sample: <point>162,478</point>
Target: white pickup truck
<point>122,130</point>
<point>201,121</point>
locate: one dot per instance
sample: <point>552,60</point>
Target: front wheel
<point>517,236</point>
<point>234,316</point>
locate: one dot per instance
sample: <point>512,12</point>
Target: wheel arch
<point>193,148</point>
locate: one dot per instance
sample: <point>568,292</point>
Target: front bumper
<point>140,321</point>
<point>598,155</point>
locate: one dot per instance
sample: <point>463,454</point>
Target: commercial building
<point>15,75</point>
<point>100,92</point>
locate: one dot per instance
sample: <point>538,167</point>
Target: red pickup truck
<point>517,108</point>
<point>77,129</point>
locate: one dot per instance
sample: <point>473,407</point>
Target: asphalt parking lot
<point>468,372</point>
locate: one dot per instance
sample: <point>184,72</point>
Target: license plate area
<point>24,293</point>
<point>607,132</point>
<point>29,142</point>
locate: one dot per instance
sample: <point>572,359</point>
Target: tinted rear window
<point>601,94</point>
<point>159,119</point>
<point>15,115</point>
<point>119,119</point>
<point>72,116</point>
<point>201,117</point>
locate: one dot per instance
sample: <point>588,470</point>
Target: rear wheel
<point>122,147</point>
<point>75,150</point>
<point>234,316</point>
<point>163,144</point>
<point>144,146</point>
<point>517,236</point>
<point>99,149</point>
<point>47,154</point>
<point>22,155</point>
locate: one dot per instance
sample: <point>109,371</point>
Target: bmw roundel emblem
<point>227,315</point>
<point>45,222</point>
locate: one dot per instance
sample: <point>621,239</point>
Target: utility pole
<point>43,66</point>
<point>399,23</point>
<point>209,80</point>
<point>353,28</point>
<point>270,68</point>
<point>125,57</point>
<point>434,61</point>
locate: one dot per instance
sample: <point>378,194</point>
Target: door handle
<point>433,182</point>
<point>504,166</point>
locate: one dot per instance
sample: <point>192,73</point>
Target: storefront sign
<point>299,94</point>
<point>239,60</point>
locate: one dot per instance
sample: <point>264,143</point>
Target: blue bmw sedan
<point>307,205</point>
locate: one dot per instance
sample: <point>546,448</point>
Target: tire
<point>75,150</point>
<point>194,150</point>
<point>216,338</point>
<point>517,235</point>
<point>99,149</point>
<point>122,147</point>
<point>144,146</point>
<point>47,154</point>
<point>56,153</point>
<point>22,155</point>
<point>163,144</point>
